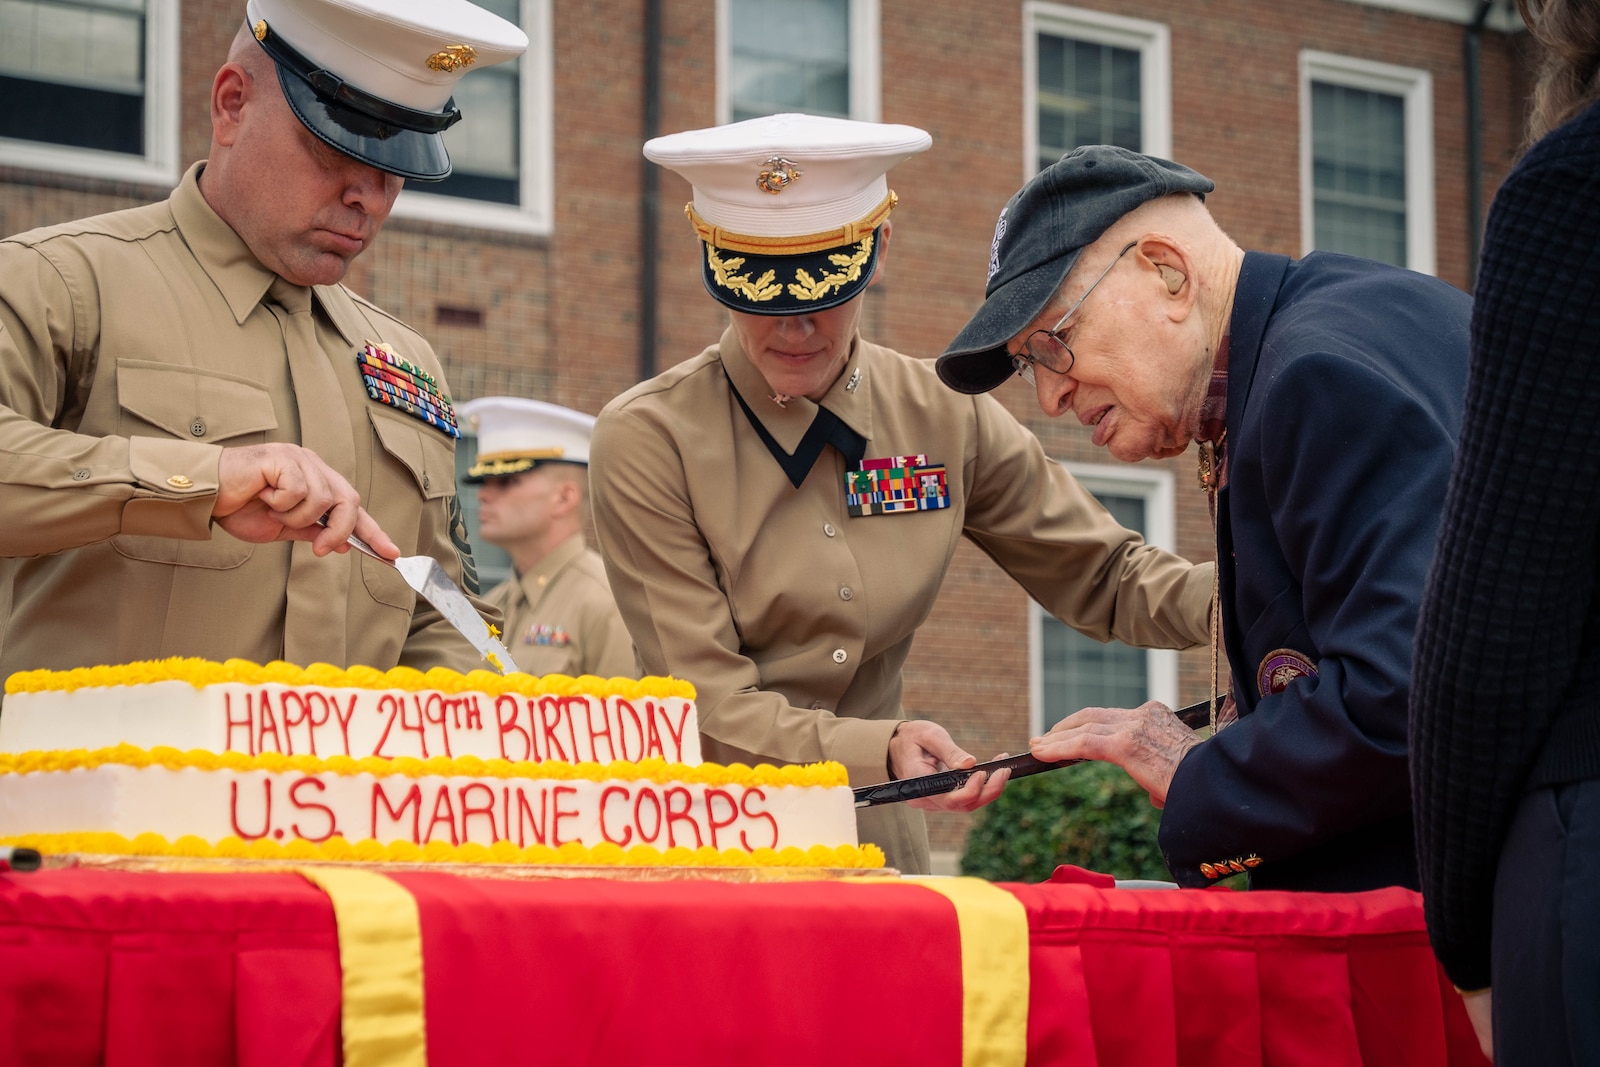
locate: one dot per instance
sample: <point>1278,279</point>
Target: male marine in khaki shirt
<point>720,499</point>
<point>532,473</point>
<point>185,388</point>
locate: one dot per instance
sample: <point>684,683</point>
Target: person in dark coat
<point>1505,723</point>
<point>1325,394</point>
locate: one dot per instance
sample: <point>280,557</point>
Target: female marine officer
<point>777,513</point>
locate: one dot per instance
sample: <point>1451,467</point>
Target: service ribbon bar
<point>406,387</point>
<point>877,489</point>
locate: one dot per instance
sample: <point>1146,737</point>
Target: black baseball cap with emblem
<point>1041,232</point>
<point>373,78</point>
<point>788,207</point>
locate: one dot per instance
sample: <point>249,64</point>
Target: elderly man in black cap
<point>1325,394</point>
<point>186,389</point>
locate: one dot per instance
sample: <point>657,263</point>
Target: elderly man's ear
<point>1172,266</point>
<point>880,268</point>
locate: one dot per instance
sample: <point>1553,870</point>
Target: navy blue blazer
<point>1345,388</point>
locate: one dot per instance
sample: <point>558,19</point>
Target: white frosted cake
<point>196,758</point>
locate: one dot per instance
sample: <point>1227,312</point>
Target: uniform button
<point>846,593</point>
<point>198,427</point>
<point>425,484</point>
<point>840,655</point>
<point>80,475</point>
<point>179,481</point>
<point>828,529</point>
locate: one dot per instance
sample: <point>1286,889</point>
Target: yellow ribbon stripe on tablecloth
<point>380,958</point>
<point>993,928</point>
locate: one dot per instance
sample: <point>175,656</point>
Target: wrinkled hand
<point>278,492</point>
<point>921,747</point>
<point>1148,742</point>
<point>1478,1004</point>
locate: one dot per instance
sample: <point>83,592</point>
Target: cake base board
<point>515,871</point>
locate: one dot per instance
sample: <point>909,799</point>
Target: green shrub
<point>1092,815</point>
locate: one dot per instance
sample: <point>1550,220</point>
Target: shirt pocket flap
<point>191,403</point>
<point>421,450</point>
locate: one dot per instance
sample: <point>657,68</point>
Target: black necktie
<point>826,429</point>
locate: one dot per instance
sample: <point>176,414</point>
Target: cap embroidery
<point>455,57</point>
<point>849,271</point>
<point>762,289</point>
<point>778,176</point>
<point>994,249</point>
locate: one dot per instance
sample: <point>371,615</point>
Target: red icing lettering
<point>713,824</point>
<point>526,819</point>
<point>557,813</point>
<point>676,731</point>
<point>413,800</point>
<point>622,729</point>
<point>390,703</point>
<point>652,738</point>
<point>436,708</point>
<point>647,793</point>
<point>443,812</point>
<point>571,717</point>
<point>506,708</point>
<point>744,806</point>
<point>549,719</point>
<point>605,795</point>
<point>674,816</point>
<point>248,723</point>
<point>474,716</point>
<point>344,715</point>
<point>268,724</point>
<point>307,703</point>
<point>266,809</point>
<point>418,726</point>
<point>469,809</point>
<point>311,805</point>
<point>604,731</point>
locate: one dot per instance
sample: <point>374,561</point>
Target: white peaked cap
<point>838,169</point>
<point>512,428</point>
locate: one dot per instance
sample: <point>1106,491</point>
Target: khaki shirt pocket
<point>192,404</point>
<point>413,460</point>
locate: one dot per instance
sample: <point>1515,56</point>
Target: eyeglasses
<point>1045,347</point>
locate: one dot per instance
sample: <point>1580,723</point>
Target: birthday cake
<point>187,757</point>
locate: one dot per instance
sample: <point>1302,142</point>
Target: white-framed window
<point>90,87</point>
<point>492,561</point>
<point>1093,78</point>
<point>1366,159</point>
<point>816,56</point>
<point>502,150</point>
<point>1067,670</point>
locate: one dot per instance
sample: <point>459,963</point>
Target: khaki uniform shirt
<point>793,619</point>
<point>560,618</point>
<point>134,347</point>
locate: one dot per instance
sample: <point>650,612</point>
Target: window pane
<point>1078,671</point>
<point>486,145</point>
<point>73,74</point>
<point>1088,94</point>
<point>1358,172</point>
<point>789,55</point>
<point>494,566</point>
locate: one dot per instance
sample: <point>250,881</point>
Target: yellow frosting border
<point>202,672</point>
<point>337,849</point>
<point>655,769</point>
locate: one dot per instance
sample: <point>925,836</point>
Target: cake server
<point>432,584</point>
<point>1194,717</point>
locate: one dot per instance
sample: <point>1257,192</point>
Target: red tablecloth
<point>135,968</point>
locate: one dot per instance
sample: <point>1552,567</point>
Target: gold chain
<point>1209,476</point>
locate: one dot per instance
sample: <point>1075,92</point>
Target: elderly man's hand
<point>279,492</point>
<point>921,747</point>
<point>1148,742</point>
